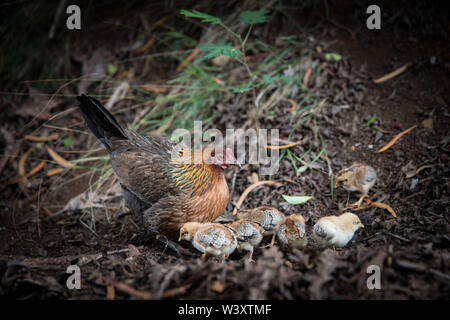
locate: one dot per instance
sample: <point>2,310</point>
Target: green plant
<point>239,54</point>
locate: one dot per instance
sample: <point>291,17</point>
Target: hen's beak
<point>180,238</point>
<point>236,163</point>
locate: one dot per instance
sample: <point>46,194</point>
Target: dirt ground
<point>118,260</point>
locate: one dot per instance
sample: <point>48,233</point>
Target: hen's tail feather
<point>100,121</point>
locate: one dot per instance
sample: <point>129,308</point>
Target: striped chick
<point>209,238</point>
<point>249,235</point>
<point>269,218</point>
<point>292,232</point>
<point>336,230</point>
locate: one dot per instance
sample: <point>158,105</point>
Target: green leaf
<point>224,49</point>
<point>333,56</point>
<point>200,15</point>
<point>243,89</point>
<point>371,120</point>
<point>254,17</point>
<point>111,69</point>
<point>67,141</point>
<point>296,199</point>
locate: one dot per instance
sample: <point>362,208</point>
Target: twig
<point>250,188</point>
<point>392,74</point>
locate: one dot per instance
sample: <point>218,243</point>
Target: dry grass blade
<point>54,171</point>
<point>187,60</point>
<point>29,174</point>
<point>60,160</point>
<point>42,139</point>
<point>293,105</point>
<point>306,76</point>
<point>286,146</point>
<point>392,74</point>
<point>110,292</point>
<point>250,188</point>
<point>395,139</point>
<point>22,161</point>
<point>384,206</point>
<point>127,289</point>
<point>378,205</point>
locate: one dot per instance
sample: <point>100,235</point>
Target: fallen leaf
<point>29,174</point>
<point>42,139</point>
<point>284,146</point>
<point>306,76</point>
<point>189,58</point>
<point>22,161</point>
<point>395,139</point>
<point>54,171</point>
<point>60,160</point>
<point>296,199</point>
<point>217,286</point>
<point>427,123</point>
<point>110,292</point>
<point>392,74</point>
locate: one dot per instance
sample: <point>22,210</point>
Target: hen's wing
<point>142,165</point>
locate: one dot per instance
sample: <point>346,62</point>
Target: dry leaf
<point>392,74</point>
<point>306,76</point>
<point>110,292</point>
<point>42,139</point>
<point>187,60</point>
<point>394,140</point>
<point>217,286</point>
<point>29,174</point>
<point>22,160</point>
<point>284,146</point>
<point>220,61</point>
<point>60,160</point>
<point>427,123</point>
<point>54,171</point>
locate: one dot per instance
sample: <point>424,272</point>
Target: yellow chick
<point>292,232</point>
<point>209,238</point>
<point>358,177</point>
<point>269,218</point>
<point>249,235</point>
<point>336,230</point>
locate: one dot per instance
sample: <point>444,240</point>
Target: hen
<point>163,187</point>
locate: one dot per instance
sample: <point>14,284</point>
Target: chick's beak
<point>180,238</point>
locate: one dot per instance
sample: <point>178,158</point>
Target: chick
<point>249,235</point>
<point>209,238</point>
<point>336,230</point>
<point>358,177</point>
<point>269,218</point>
<point>292,232</point>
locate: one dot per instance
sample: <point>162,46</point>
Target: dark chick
<point>163,190</point>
